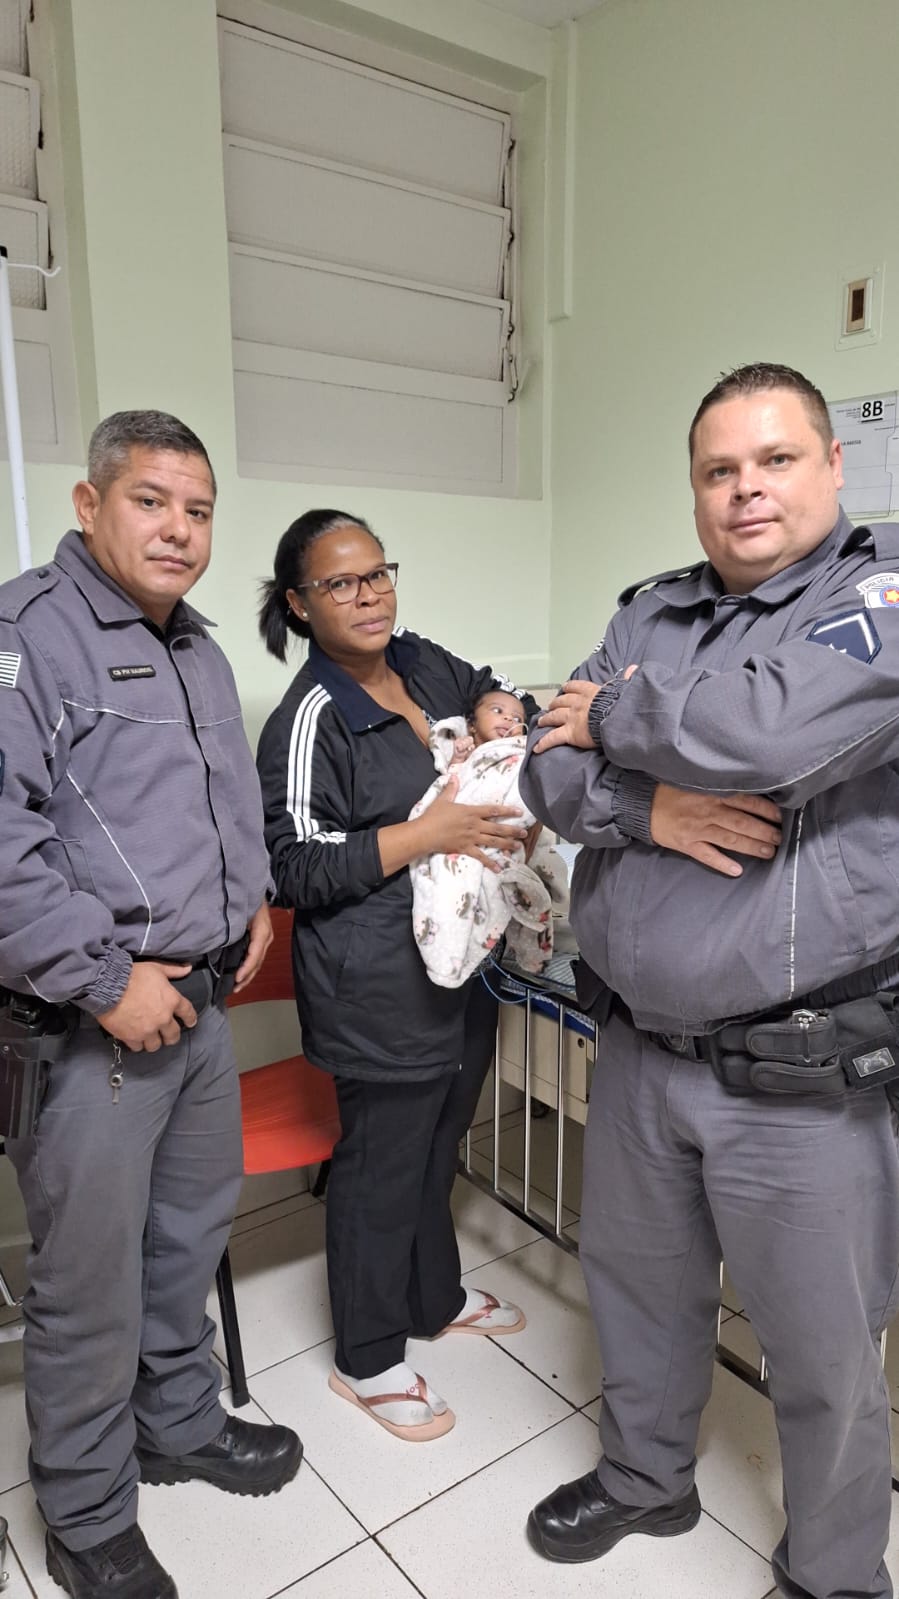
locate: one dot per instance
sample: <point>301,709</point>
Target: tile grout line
<point>402,1571</point>
<point>13,1486</point>
<point>323,1567</point>
<point>22,1567</point>
<point>450,1486</point>
<point>270,1221</point>
<point>325,1484</point>
<point>376,1535</point>
<point>282,1362</point>
<point>739,1536</point>
<point>469,1477</point>
<point>495,1258</point>
<point>557,1392</point>
<point>550,1198</point>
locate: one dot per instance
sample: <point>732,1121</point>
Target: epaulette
<point>21,590</point>
<point>885,538</point>
<point>676,573</point>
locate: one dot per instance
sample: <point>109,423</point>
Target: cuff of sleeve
<point>603,704</point>
<point>366,867</point>
<point>110,983</point>
<point>632,805</point>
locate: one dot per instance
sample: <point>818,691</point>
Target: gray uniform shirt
<point>130,815</point>
<point>790,691</point>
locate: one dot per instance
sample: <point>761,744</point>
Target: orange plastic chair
<point>290,1118</point>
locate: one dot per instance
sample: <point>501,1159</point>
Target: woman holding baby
<point>342,761</point>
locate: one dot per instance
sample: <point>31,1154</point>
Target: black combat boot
<point>124,1567</point>
<point>580,1521</point>
<point>245,1458</point>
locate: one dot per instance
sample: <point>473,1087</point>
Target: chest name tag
<point>121,674</point>
<point>853,634</point>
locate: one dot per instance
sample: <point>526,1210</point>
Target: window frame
<point>417,74</point>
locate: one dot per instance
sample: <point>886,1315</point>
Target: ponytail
<point>276,619</point>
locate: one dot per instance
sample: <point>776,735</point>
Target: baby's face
<point>498,716</point>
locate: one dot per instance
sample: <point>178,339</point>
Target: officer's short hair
<point>113,440</point>
<point>757,379</point>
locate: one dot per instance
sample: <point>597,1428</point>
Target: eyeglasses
<point>345,588</point>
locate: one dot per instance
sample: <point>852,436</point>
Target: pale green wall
<point>147,236</point>
<point>475,572</point>
<point>732,160</point>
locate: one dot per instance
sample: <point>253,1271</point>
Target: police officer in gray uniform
<point>729,759</point>
<point>133,884</point>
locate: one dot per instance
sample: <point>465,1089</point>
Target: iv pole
<point>12,416</point>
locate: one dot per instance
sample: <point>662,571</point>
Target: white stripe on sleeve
<point>299,762</point>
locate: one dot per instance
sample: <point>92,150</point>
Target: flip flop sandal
<point>478,1320</point>
<point>411,1433</point>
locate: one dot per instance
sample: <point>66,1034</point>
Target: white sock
<point>474,1301</point>
<point>397,1379</point>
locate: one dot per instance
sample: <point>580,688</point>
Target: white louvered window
<point>369,227</point>
<point>41,326</point>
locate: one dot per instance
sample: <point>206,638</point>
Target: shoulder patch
<point>852,634</point>
<point>21,590</point>
<point>675,573</point>
<point>881,591</point>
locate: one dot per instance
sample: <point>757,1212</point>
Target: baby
<point>495,714</point>
<point>460,909</point>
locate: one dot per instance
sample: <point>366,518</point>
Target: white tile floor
<point>371,1518</point>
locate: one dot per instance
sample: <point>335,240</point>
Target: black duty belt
<point>839,1038</point>
<point>211,976</point>
<point>34,1033</point>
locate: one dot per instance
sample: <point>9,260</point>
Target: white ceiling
<point>547,13</point>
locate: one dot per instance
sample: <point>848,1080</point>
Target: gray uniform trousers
<point>804,1198</point>
<point>129,1206</point>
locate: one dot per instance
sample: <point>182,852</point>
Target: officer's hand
<point>702,825</point>
<point>150,1010</point>
<point>567,715</point>
<point>455,829</point>
<point>261,936</point>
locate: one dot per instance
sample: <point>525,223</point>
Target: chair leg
<point>321,1181</point>
<point>224,1282</point>
<point>7,1297</point>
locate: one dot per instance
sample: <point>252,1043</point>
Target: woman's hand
<point>454,829</point>
<point>446,828</point>
<point>532,840</point>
